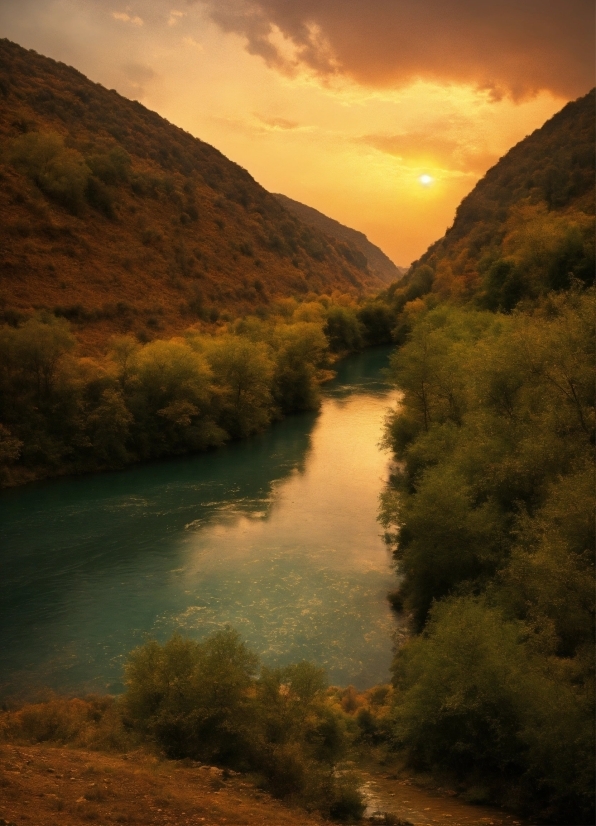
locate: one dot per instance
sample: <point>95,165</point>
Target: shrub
<point>60,173</point>
<point>92,722</point>
<point>191,697</point>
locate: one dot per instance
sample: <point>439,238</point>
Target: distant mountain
<point>119,220</point>
<point>378,263</point>
<point>527,227</point>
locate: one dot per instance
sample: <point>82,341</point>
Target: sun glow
<point>426,180</point>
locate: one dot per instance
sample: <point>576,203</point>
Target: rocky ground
<point>417,806</point>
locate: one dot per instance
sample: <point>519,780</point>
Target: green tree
<point>299,352</point>
<point>192,697</point>
<point>243,374</point>
<point>343,330</point>
<point>169,393</point>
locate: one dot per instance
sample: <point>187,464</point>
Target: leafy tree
<point>204,700</point>
<point>242,373</point>
<point>170,395</point>
<point>299,351</point>
<point>378,321</point>
<point>192,697</point>
<point>343,329</point>
<point>39,346</point>
<point>491,514</point>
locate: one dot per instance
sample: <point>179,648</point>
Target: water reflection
<point>276,536</point>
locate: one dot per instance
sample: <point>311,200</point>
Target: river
<point>276,536</point>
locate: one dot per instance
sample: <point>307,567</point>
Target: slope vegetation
<point>378,263</point>
<point>526,228</point>
<point>120,221</point>
<point>491,508</point>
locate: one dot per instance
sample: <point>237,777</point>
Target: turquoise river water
<point>276,536</point>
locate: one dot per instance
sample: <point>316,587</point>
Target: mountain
<point>120,221</point>
<point>526,228</point>
<point>378,263</point>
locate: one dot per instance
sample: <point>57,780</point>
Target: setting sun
<point>426,180</point>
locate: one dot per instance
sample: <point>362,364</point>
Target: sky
<point>383,114</point>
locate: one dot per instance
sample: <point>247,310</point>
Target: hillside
<point>378,263</point>
<point>490,511</point>
<point>527,227</point>
<point>120,221</point>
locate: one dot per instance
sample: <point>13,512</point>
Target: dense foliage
<point>493,518</point>
<point>64,413</point>
<point>210,701</point>
<point>491,507</point>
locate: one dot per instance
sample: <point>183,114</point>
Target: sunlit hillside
<point>526,228</point>
<point>120,221</point>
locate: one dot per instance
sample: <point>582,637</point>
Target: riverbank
<point>43,785</point>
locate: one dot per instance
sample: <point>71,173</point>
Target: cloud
<point>190,41</point>
<point>278,124</point>
<point>175,17</point>
<point>138,76</point>
<point>126,18</point>
<point>138,72</point>
<point>514,47</point>
<point>433,150</point>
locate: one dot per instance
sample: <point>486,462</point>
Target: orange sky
<point>340,104</point>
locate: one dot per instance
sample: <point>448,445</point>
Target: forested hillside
<point>491,508</point>
<point>526,228</point>
<point>378,263</point>
<point>119,221</point>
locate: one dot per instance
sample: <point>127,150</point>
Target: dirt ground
<point>46,786</point>
<point>422,807</point>
<point>43,786</point>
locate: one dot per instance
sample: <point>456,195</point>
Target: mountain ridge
<point>378,262</point>
<point>122,222</point>
<point>526,228</point>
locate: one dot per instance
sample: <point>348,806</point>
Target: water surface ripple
<point>276,536</point>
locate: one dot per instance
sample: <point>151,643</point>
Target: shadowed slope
<point>378,263</point>
<point>119,220</point>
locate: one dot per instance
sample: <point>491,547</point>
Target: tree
<point>61,173</point>
<point>299,350</point>
<point>343,329</point>
<point>169,392</point>
<point>192,697</point>
<point>242,372</point>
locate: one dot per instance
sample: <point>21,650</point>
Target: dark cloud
<point>510,47</point>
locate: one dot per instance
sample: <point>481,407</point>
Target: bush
<point>191,697</point>
<point>60,173</point>
<point>93,722</point>
<point>347,804</point>
<point>202,700</point>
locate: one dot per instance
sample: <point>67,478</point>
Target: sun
<point>426,180</point>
